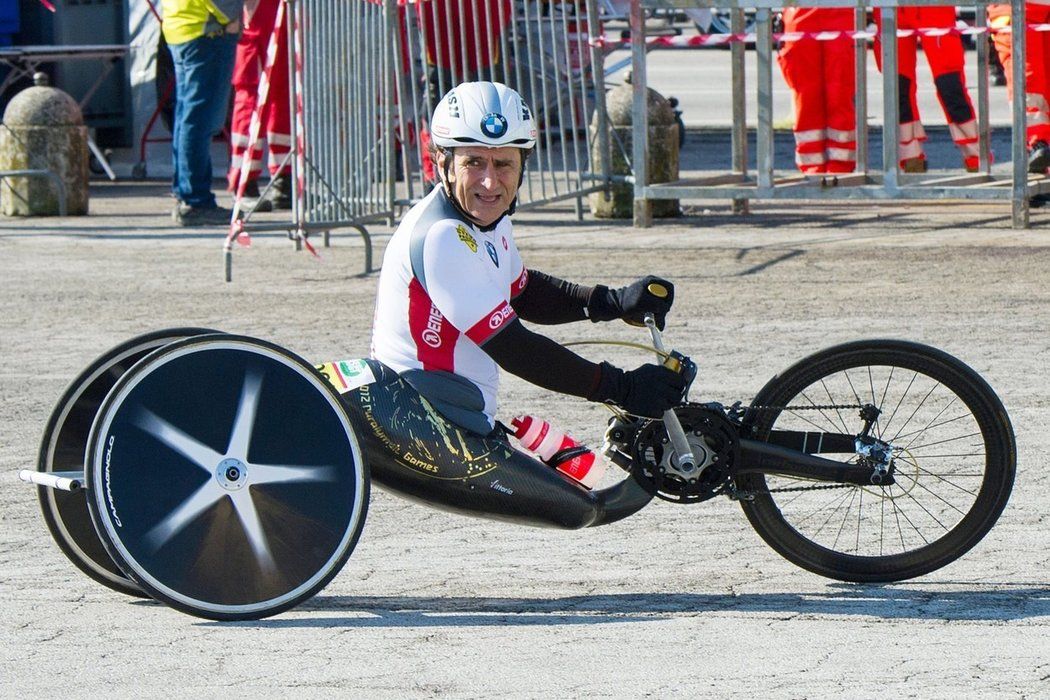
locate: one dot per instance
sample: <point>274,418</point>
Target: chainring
<point>715,444</point>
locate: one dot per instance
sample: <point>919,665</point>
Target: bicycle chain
<point>742,495</point>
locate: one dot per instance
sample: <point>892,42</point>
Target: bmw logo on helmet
<point>494,125</point>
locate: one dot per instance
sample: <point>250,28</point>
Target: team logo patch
<point>346,375</point>
<point>492,253</point>
<point>494,125</point>
<point>465,236</point>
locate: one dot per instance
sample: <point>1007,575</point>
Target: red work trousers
<point>276,119</point>
<point>1036,65</point>
<point>820,74</point>
<point>945,56</point>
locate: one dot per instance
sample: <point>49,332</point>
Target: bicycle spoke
<point>913,413</point>
<point>941,442</point>
<point>918,532</point>
<point>927,511</point>
<point>949,481</point>
<point>896,408</point>
<point>919,432</point>
<point>932,426</point>
<point>930,491</point>
<point>845,517</point>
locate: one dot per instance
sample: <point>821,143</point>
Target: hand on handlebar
<point>650,294</point>
<point>647,391</point>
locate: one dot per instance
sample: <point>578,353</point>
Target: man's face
<point>484,180</point>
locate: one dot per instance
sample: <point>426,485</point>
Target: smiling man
<point>453,289</point>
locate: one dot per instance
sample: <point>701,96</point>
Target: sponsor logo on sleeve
<point>490,323</point>
<point>500,315</point>
<point>465,236</point>
<point>492,253</point>
<point>432,333</point>
<point>521,282</point>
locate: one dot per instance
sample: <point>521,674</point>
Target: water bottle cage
<point>566,455</point>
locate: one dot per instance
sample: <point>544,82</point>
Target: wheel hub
<point>232,474</point>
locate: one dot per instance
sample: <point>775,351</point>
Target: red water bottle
<point>559,450</point>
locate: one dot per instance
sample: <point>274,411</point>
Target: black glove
<point>632,302</point>
<point>647,391</point>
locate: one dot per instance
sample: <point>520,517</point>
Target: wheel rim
<point>940,465</point>
<point>226,478</point>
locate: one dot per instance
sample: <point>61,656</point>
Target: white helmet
<point>483,114</point>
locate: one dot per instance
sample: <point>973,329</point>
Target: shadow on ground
<point>895,602</point>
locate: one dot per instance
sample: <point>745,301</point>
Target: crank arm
<point>758,457</point>
<point>686,460</point>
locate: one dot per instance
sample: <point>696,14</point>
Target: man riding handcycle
<point>229,478</point>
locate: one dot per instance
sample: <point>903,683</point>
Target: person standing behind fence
<point>201,36</point>
<point>821,76</point>
<point>945,55</point>
<point>1036,75</point>
<point>259,19</point>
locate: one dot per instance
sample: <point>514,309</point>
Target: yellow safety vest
<point>185,20</point>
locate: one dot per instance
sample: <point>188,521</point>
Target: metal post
<point>643,209</point>
<point>739,133</point>
<point>598,67</point>
<point>890,106</point>
<point>388,118</point>
<point>860,95</point>
<point>298,216</point>
<point>984,131</point>
<point>1020,135</point>
<point>764,58</point>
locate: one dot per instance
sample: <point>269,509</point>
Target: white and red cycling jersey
<point>445,288</point>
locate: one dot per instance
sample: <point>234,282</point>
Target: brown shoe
<point>914,165</point>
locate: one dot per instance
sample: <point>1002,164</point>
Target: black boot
<point>1039,158</point>
<point>280,193</point>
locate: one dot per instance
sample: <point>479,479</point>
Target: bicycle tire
<point>942,502</point>
<point>225,478</point>
<point>62,449</point>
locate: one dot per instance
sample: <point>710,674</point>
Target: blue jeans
<point>203,75</point>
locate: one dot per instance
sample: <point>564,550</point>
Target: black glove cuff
<point>611,385</point>
<point>602,305</point>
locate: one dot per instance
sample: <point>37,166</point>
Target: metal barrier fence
<point>369,73</point>
<point>742,186</point>
<point>542,49</point>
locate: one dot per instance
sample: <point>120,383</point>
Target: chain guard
<point>715,443</point>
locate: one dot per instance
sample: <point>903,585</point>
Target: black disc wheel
<point>953,462</point>
<point>62,449</point>
<point>225,478</point>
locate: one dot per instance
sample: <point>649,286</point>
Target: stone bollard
<point>43,131</point>
<point>662,156</point>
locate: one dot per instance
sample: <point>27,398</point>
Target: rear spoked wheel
<point>953,466</point>
<point>225,478</point>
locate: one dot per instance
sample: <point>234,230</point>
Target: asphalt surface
<point>676,601</point>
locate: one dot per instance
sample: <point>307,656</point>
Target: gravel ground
<point>674,601</point>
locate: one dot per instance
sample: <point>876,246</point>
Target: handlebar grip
<point>657,290</point>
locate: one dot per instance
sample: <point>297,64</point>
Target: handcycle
<point>229,478</point>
